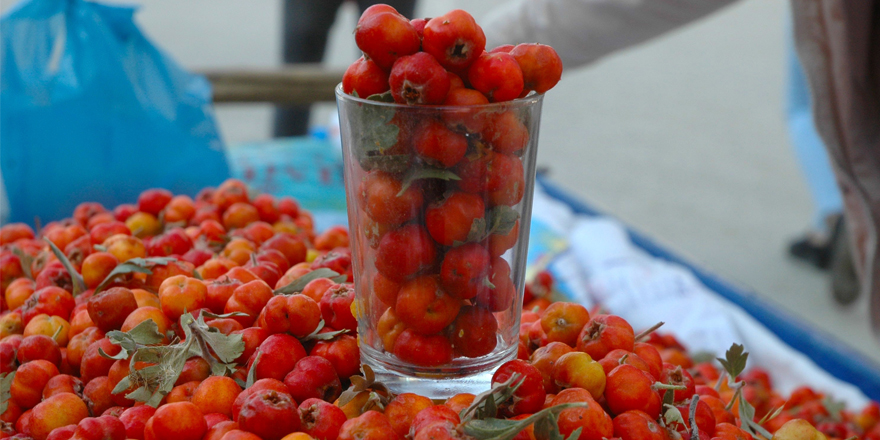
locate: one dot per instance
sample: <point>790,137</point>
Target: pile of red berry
<point>225,317</point>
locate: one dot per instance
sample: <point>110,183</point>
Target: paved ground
<point>682,138</point>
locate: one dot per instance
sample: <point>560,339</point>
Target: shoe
<point>815,247</point>
<point>807,250</point>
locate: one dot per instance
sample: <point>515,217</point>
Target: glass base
<point>437,384</point>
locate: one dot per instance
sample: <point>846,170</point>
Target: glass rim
<point>532,99</point>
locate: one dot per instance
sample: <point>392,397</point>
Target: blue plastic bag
<point>90,110</point>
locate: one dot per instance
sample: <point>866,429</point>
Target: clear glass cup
<point>439,201</point>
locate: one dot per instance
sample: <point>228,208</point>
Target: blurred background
<point>683,138</point>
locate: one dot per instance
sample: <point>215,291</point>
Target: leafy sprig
<point>485,404</point>
<point>26,261</point>
<point>139,265</point>
<point>300,283</point>
<point>166,362</point>
<point>546,425</point>
<point>734,364</point>
<point>5,386</point>
<point>79,286</point>
<point>379,395</point>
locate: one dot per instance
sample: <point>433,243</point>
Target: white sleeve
<point>583,31</point>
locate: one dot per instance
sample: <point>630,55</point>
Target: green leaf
<point>5,385</point>
<point>502,219</point>
<point>772,415</point>
<point>211,315</point>
<point>99,248</point>
<point>547,428</point>
<point>425,173</point>
<point>139,265</point>
<point>477,231</point>
<point>316,334</point>
<point>252,374</point>
<point>381,97</point>
<point>747,419</point>
<point>227,347</point>
<point>142,394</point>
<point>376,132</point>
<point>156,399</point>
<point>145,333</point>
<point>576,434</point>
<point>672,415</point>
<point>124,384</point>
<point>668,398</point>
<point>835,408</point>
<point>201,340</point>
<point>504,429</point>
<point>300,283</point>
<point>734,361</point>
<point>79,286</point>
<point>26,261</point>
<point>485,404</point>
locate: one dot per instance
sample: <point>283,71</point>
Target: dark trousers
<point>306,27</point>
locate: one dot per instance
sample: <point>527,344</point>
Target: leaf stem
<point>646,333</point>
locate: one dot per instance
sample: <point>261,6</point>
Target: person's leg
<point>816,246</point>
<point>306,27</point>
<point>838,43</point>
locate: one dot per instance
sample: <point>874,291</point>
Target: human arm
<point>582,31</point>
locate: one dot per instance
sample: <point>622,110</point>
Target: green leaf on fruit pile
<point>834,407</point>
<point>225,348</point>
<point>547,428</point>
<point>79,286</point>
<point>5,386</point>
<point>252,374</point>
<point>505,429</point>
<point>26,261</point>
<point>485,404</point>
<point>100,248</point>
<point>669,399</point>
<point>299,284</point>
<point>379,393</point>
<point>425,173</point>
<point>771,415</point>
<point>747,420</point>
<point>144,334</point>
<point>381,97</point>
<point>316,334</point>
<point>734,361</point>
<point>156,380</point>
<point>672,415</point>
<point>139,265</point>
